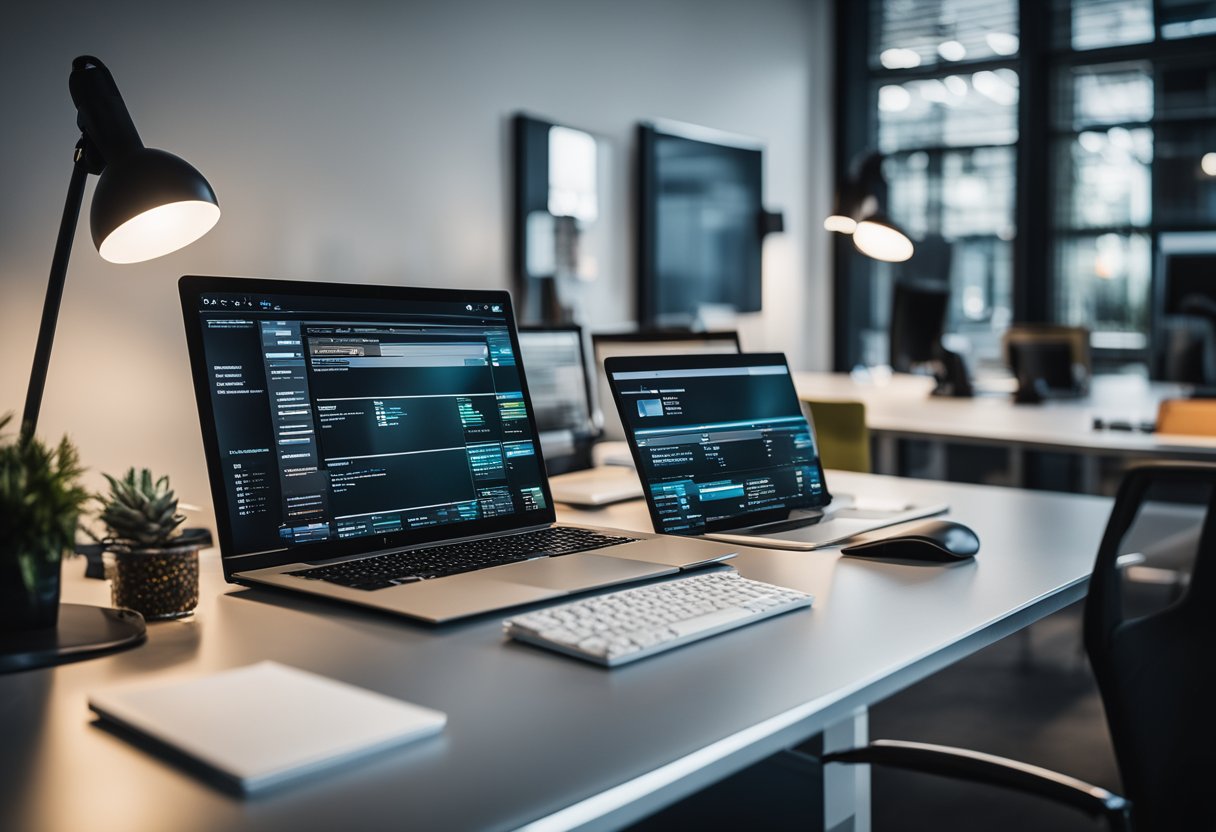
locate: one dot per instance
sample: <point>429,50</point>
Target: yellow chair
<point>844,439</point>
<point>1192,417</point>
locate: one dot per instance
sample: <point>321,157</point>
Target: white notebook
<point>265,724</point>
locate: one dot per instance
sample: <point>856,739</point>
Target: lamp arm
<point>54,289</point>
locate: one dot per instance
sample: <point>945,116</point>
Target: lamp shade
<point>840,223</point>
<point>878,237</point>
<point>149,203</point>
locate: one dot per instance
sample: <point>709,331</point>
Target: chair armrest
<point>977,767</point>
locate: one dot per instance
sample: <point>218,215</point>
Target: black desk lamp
<point>147,203</point>
<point>858,213</point>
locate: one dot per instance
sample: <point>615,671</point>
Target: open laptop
<point>377,445</point>
<point>725,451</point>
<point>561,394</point>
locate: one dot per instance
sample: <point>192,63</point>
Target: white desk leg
<point>1091,473</point>
<point>937,460</point>
<point>846,789</point>
<point>1017,466</point>
<point>888,454</point>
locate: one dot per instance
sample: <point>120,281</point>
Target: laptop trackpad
<point>584,570</point>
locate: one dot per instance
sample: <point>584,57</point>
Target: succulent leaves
<point>140,512</point>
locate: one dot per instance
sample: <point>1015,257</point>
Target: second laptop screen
<point>720,447</point>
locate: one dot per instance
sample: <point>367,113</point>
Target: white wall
<point>369,142</point>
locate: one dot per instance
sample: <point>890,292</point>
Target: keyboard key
<point>410,565</point>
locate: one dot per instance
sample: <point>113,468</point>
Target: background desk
<point>534,738</point>
<point>901,408</point>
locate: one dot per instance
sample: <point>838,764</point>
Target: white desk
<point>900,407</point>
<point>534,739</point>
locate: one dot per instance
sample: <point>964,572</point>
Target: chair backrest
<point>841,434</point>
<point>653,342</point>
<point>1188,417</point>
<point>1155,672</point>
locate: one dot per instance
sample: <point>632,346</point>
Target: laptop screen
<point>720,441</point>
<point>557,377</point>
<point>340,414</point>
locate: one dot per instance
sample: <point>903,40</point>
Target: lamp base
<point>82,633</point>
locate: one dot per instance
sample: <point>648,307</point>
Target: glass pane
<point>1090,24</point>
<point>958,206</point>
<point>1104,178</point>
<point>1186,165</point>
<point>910,33</point>
<point>955,193</point>
<point>1102,282</point>
<point>966,109</point>
<point>1187,18</point>
<point>1087,96</point>
<point>1187,89</point>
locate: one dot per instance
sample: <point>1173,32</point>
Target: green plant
<point>140,512</point>
<point>40,500</point>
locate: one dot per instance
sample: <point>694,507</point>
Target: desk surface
<point>901,405</point>
<point>534,737</point>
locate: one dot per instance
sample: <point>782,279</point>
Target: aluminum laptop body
<point>725,452</point>
<point>342,422</point>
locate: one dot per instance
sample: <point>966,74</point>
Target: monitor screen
<point>339,417</point>
<point>614,346</point>
<point>918,320</point>
<point>700,233</point>
<point>557,379</point>
<point>720,442</point>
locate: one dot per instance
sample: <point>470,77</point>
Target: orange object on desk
<point>1194,417</point>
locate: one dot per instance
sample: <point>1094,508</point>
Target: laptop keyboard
<point>397,568</point>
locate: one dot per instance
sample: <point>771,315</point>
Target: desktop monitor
<point>561,390</point>
<point>613,345</point>
<point>1055,357</point>
<point>918,320</point>
<point>1043,362</point>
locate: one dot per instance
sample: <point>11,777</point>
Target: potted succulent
<point>155,568</point>
<point>40,499</point>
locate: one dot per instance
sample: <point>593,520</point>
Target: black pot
<point>32,605</point>
<point>157,582</point>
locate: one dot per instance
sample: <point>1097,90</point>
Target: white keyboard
<point>631,624</point>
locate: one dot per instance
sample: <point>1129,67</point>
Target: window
<point>944,87</point>
<point>1128,145</point>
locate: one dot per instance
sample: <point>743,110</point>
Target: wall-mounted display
<point>701,223</point>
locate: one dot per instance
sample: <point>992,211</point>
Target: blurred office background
<point>1054,154</point>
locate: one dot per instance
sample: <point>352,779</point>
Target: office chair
<point>1155,679</point>
<point>649,342</point>
<point>844,439</point>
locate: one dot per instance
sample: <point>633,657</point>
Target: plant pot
<point>29,590</point>
<point>159,583</point>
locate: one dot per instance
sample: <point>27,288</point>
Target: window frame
<point>1038,62</point>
